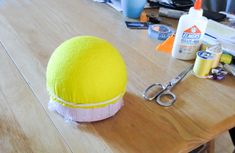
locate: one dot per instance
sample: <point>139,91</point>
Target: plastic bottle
<point>190,31</point>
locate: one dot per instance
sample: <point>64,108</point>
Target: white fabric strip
<point>86,105</point>
<point>86,115</point>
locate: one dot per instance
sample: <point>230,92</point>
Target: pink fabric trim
<point>86,115</point>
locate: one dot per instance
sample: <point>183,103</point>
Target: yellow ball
<point>86,72</point>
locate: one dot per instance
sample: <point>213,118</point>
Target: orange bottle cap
<point>198,4</point>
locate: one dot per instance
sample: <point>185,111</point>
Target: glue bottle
<point>190,31</point>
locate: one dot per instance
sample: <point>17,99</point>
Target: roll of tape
<point>217,51</point>
<point>160,31</point>
<point>226,58</point>
<point>203,64</point>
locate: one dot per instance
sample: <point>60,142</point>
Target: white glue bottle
<point>190,31</point>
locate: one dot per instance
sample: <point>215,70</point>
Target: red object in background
<point>198,4</point>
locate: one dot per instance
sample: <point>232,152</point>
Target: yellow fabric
<point>86,69</point>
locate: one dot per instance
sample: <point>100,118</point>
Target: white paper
<point>221,31</point>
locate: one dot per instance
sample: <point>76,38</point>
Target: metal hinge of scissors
<point>165,90</point>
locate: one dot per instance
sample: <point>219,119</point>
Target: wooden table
<point>29,32</point>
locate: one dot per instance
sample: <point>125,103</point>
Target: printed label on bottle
<point>190,41</point>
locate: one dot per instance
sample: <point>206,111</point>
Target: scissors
<point>164,91</point>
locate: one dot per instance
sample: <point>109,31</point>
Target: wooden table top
<point>29,32</point>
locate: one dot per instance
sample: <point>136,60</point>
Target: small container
<point>133,8</point>
<point>217,51</point>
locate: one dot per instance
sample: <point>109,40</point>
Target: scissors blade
<point>177,79</point>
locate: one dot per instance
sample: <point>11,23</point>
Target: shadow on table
<point>140,126</point>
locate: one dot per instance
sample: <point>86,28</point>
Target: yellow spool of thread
<point>217,51</point>
<point>203,64</point>
<point>226,58</point>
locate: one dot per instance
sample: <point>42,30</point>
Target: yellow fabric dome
<point>86,72</point>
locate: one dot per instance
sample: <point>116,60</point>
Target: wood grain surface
<point>29,32</point>
<point>24,124</point>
